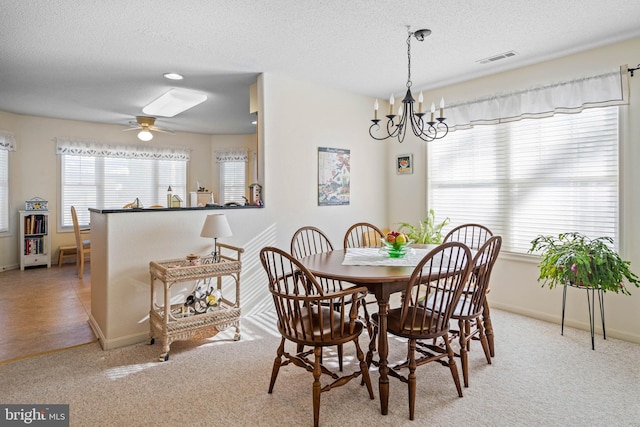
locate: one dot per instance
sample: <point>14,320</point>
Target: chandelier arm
<point>391,132</point>
<point>420,131</point>
<point>402,128</point>
<point>390,127</point>
<point>442,128</point>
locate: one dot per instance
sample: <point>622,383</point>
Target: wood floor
<point>43,310</point>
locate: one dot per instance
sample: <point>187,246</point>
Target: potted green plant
<point>575,259</point>
<point>427,231</point>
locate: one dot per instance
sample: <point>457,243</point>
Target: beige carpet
<point>538,378</point>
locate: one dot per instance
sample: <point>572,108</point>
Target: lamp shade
<point>215,226</point>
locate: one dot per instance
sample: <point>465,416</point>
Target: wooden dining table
<point>381,281</point>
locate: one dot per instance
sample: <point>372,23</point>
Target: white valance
<point>567,97</point>
<point>7,141</point>
<point>75,147</point>
<point>232,155</point>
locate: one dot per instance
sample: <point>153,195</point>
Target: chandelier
<point>397,125</point>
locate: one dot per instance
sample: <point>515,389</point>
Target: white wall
<point>299,117</point>
<point>514,283</point>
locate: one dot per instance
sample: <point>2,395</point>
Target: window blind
<point>521,179</point>
<point>232,165</point>
<point>232,181</point>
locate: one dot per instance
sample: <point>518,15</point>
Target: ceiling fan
<point>146,124</point>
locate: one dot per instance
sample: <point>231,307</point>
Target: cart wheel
<point>151,341</point>
<point>164,357</point>
<point>236,336</point>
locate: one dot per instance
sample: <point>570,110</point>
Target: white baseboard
<point>117,343</point>
<point>9,267</point>
<point>557,319</point>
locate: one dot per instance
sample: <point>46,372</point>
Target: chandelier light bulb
<point>375,109</point>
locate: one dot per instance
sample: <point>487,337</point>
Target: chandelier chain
<point>409,59</point>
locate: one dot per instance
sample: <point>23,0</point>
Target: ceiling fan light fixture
<point>173,102</point>
<point>145,135</point>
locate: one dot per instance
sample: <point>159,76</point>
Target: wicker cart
<point>206,311</point>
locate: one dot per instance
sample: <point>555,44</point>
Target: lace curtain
<point>232,155</point>
<point>75,147</point>
<point>567,97</point>
<point>7,141</point>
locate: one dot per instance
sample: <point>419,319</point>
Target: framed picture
<point>404,164</point>
<point>334,176</point>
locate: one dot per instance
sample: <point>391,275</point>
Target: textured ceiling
<point>102,61</point>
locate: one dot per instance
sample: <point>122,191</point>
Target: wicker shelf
<point>181,322</point>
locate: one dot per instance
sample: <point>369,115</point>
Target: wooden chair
<point>310,316</point>
<point>474,236</point>
<point>309,240</point>
<point>468,311</point>
<point>83,247</point>
<point>363,235</point>
<point>439,277</point>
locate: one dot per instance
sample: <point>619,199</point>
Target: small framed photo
<point>404,164</point>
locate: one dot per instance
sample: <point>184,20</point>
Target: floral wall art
<point>334,176</point>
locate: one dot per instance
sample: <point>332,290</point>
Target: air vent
<point>496,57</point>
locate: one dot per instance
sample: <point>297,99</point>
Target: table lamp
<point>216,225</point>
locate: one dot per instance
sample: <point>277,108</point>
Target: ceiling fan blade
<point>169,131</point>
<point>132,128</point>
<point>163,130</point>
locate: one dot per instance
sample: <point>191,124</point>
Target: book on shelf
<point>34,246</point>
<point>35,224</point>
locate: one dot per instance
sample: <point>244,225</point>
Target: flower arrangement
<point>573,258</point>
<point>427,231</point>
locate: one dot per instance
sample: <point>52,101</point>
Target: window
<point>4,191</point>
<point>109,177</point>
<point>7,143</point>
<point>521,179</point>
<point>232,181</point>
<point>233,171</point>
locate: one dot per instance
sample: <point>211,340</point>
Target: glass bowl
<point>395,250</point>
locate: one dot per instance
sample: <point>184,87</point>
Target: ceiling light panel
<point>173,76</point>
<point>173,102</point>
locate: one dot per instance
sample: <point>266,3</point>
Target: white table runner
<point>374,256</point>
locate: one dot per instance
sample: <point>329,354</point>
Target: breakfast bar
<point>123,242</point>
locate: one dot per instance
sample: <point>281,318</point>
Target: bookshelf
<point>35,242</point>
